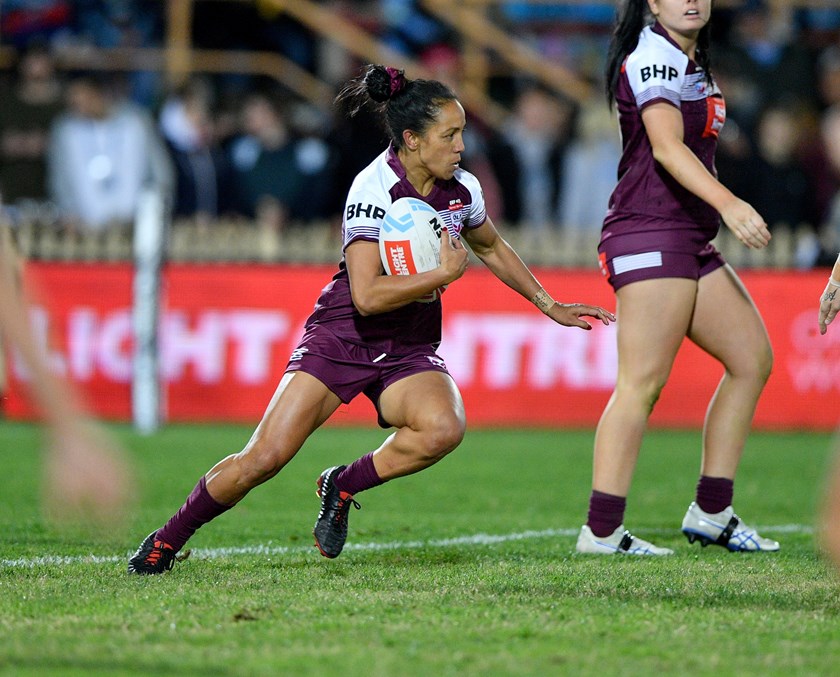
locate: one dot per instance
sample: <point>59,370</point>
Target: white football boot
<point>620,542</point>
<point>725,529</point>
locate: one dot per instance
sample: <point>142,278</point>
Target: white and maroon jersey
<point>647,197</point>
<point>459,203</point>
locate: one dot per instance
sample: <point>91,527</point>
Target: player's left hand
<point>570,314</point>
<point>829,306</point>
<point>746,224</point>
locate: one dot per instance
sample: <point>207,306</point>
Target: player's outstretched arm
<point>572,314</point>
<point>85,473</point>
<point>495,252</point>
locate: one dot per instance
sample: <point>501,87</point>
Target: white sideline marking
<point>267,549</point>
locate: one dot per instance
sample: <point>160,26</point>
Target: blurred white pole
<point>149,232</point>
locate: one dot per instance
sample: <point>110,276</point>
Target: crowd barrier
<point>226,332</point>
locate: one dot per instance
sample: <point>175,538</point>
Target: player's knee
<point>259,462</point>
<point>442,435</point>
<point>764,366</point>
<point>756,364</point>
<point>644,393</point>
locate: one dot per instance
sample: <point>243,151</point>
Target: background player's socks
<point>606,513</point>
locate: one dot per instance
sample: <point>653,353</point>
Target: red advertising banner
<point>226,333</point>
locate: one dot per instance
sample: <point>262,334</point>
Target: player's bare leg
<point>646,351</point>
<point>428,411</point>
<point>727,325</point>
<point>298,407</point>
<point>300,404</point>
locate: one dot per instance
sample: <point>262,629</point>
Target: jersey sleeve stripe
<point>654,94</point>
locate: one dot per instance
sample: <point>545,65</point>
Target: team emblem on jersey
<point>456,211</point>
<point>715,116</point>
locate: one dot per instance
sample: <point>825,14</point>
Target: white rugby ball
<point>409,239</point>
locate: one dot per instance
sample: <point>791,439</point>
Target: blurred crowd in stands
<point>77,148</point>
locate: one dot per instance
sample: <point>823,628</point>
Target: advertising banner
<point>227,331</point>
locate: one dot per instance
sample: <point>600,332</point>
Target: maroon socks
<point>199,508</point>
<point>606,513</point>
<point>714,494</point>
<point>358,476</point>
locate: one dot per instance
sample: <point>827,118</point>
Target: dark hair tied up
<point>405,104</point>
<point>397,77</point>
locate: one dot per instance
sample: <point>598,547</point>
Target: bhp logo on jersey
<point>660,72</point>
<point>369,211</point>
<point>399,257</point>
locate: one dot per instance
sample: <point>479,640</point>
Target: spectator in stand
<point>828,76</point>
<point>589,170</point>
<point>27,111</point>
<point>576,12</point>
<point>103,153</point>
<point>764,62</point>
<point>408,28</point>
<point>203,175</point>
<point>316,161</point>
<point>830,226</point>
<point>537,135</point>
<point>22,21</point>
<point>123,23</point>
<point>774,180</point>
<point>821,160</point>
<point>267,176</point>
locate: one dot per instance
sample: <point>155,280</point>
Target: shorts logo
<point>297,354</point>
<point>624,264</point>
<point>435,360</point>
<point>602,264</point>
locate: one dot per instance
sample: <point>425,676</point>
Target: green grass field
<point>464,569</point>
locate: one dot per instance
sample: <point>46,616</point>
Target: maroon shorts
<point>623,268</point>
<point>348,369</point>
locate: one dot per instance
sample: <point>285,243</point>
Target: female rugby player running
<point>670,281</point>
<point>369,333</point>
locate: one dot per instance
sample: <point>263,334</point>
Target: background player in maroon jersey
<point>670,282</point>
<point>370,332</point>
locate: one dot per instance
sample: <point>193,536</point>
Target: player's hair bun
<point>384,82</point>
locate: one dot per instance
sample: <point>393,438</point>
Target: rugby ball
<point>409,238</point>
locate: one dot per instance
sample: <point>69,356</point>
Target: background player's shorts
<point>348,369</point>
<point>621,269</point>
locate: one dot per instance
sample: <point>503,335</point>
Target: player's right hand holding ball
<point>454,257</point>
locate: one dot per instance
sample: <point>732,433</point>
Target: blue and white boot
<point>725,529</point>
